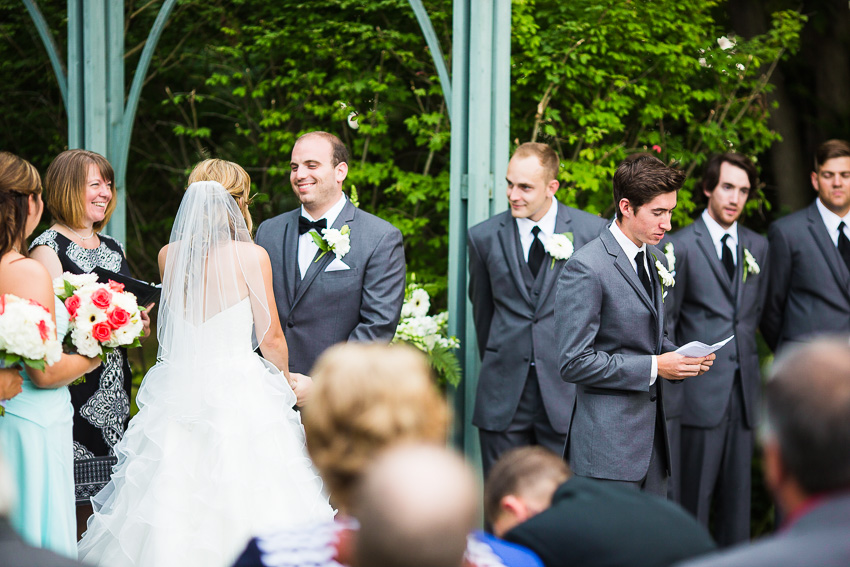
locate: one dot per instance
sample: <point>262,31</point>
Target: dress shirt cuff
<point>653,374</point>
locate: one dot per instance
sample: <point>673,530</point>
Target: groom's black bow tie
<point>306,225</point>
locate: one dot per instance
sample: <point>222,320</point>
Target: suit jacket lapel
<point>658,290</point>
<point>624,264</point>
<point>507,238</point>
<point>743,243</point>
<point>290,255</point>
<point>563,223</point>
<point>346,216</point>
<point>706,244</point>
<point>828,249</point>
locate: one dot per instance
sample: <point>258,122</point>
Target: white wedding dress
<point>215,455</point>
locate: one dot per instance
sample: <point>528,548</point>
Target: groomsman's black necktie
<point>844,244</point>
<point>536,253</point>
<point>727,257</point>
<point>306,225</point>
<point>642,275</point>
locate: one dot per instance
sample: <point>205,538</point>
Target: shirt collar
<point>716,231</point>
<point>626,243</point>
<point>546,224</point>
<point>830,219</point>
<point>330,215</point>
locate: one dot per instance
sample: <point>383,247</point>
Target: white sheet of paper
<point>697,349</point>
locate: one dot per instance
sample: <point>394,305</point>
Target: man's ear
<point>514,506</point>
<point>625,208</point>
<point>815,180</point>
<point>340,172</point>
<point>552,186</point>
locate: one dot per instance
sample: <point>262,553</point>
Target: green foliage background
<point>242,79</point>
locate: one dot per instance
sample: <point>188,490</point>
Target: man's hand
<point>302,386</point>
<point>674,366</point>
<point>146,321</point>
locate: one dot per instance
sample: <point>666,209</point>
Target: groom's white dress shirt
<point>631,250</point>
<point>307,248</point>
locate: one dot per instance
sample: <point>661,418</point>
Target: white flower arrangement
<point>27,333</point>
<point>560,247</point>
<point>333,240</point>
<point>750,265</point>
<point>667,279</point>
<point>428,333</point>
<point>670,254</point>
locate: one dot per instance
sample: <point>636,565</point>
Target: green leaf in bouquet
<point>80,380</point>
<point>445,363</point>
<point>38,364</point>
<point>69,291</point>
<point>10,360</point>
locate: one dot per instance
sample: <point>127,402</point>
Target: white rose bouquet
<point>27,334</point>
<point>428,333</point>
<point>102,316</point>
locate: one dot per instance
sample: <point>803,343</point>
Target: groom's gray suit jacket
<point>362,303</point>
<point>514,318</point>
<point>705,305</point>
<point>808,292</point>
<point>608,329</point>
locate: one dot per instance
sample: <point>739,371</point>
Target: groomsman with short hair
<point>809,286</point>
<point>521,399</point>
<point>720,291</point>
<point>609,316</point>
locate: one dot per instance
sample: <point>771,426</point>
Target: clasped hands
<point>302,386</point>
<point>674,366</point>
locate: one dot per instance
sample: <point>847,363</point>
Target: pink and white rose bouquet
<point>102,316</point>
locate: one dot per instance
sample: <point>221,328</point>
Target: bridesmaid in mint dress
<point>35,433</point>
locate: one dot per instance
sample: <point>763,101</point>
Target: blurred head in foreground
<point>521,485</point>
<point>366,398</point>
<point>415,505</point>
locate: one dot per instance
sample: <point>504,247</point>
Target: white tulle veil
<point>211,266</point>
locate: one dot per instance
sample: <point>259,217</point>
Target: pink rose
<point>2,304</point>
<point>42,330</point>
<point>117,318</point>
<point>101,298</point>
<point>656,148</point>
<point>101,332</point>
<point>116,287</point>
<point>72,304</point>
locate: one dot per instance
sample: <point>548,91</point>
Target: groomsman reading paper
<point>719,292</point>
<point>521,399</point>
<point>354,291</point>
<point>809,286</point>
<point>609,316</point>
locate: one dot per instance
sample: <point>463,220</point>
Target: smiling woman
<point>79,192</point>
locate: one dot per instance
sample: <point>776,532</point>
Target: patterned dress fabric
<point>102,402</point>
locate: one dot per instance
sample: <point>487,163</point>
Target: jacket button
<point>733,358</point>
<point>653,398</point>
<point>536,319</point>
<point>290,324</point>
<point>525,359</point>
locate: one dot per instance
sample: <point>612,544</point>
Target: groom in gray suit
<point>521,399</point>
<point>720,291</point>
<point>323,301</point>
<point>809,286</point>
<point>609,317</point>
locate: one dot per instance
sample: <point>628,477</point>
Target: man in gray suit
<point>809,286</point>
<point>806,461</point>
<point>521,399</point>
<point>329,299</point>
<point>609,316</point>
<point>720,292</point>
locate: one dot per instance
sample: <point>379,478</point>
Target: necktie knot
<point>306,225</point>
<point>725,238</point>
<point>535,230</point>
<point>841,226</point>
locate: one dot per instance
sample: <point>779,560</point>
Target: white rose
<point>725,43</point>
<point>85,344</point>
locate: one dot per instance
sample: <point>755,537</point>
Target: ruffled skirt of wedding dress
<point>214,456</point>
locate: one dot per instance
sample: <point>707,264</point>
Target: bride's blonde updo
<point>232,177</point>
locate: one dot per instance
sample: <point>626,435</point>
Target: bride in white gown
<point>216,452</point>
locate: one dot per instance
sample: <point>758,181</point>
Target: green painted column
<point>93,87</point>
<point>479,155</point>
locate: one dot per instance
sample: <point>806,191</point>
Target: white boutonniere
<point>560,247</point>
<point>750,264</point>
<point>667,279</point>
<point>671,257</point>
<point>333,240</point>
